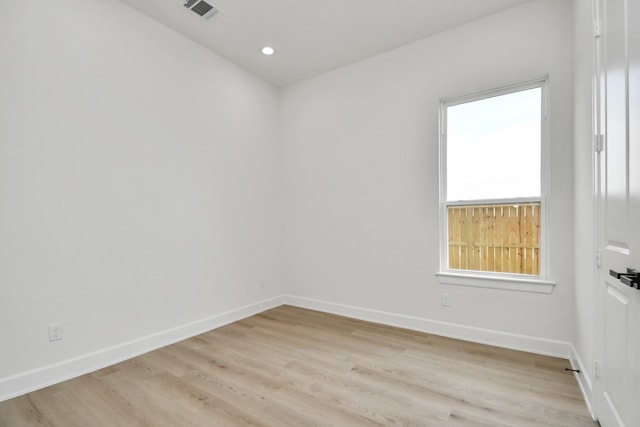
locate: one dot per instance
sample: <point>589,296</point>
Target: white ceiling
<point>313,37</point>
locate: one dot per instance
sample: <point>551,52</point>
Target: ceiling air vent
<point>202,8</point>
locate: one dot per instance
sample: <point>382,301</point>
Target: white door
<point>617,392</point>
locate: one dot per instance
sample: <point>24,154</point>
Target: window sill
<point>524,284</point>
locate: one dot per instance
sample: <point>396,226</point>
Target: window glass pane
<point>494,147</point>
<point>499,238</point>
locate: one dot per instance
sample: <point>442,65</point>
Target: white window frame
<point>496,280</point>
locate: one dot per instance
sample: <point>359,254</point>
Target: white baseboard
<point>26,382</point>
<point>584,380</point>
<point>526,343</point>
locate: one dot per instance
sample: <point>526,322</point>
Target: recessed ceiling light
<point>268,50</point>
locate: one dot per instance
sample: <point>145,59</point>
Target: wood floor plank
<point>294,367</point>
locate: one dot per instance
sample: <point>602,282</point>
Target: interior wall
<point>138,181</point>
<point>585,244</point>
<point>360,173</point>
<point>141,178</point>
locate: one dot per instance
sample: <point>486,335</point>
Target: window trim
<point>497,280</point>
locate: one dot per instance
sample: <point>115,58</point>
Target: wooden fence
<point>500,238</point>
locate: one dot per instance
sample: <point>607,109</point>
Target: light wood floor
<point>295,367</point>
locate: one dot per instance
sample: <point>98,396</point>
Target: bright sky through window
<point>494,147</point>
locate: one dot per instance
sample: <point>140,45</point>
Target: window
<point>493,187</point>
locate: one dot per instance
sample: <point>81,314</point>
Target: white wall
<point>138,181</point>
<point>361,173</point>
<point>585,244</point>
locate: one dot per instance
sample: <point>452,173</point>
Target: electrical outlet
<point>55,331</point>
<point>445,300</point>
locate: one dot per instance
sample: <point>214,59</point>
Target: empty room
<point>338,213</point>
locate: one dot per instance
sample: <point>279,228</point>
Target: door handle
<point>630,278</point>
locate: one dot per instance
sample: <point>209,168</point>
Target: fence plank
<point>464,237</point>
<point>490,219</point>
<point>454,236</point>
<point>500,238</point>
